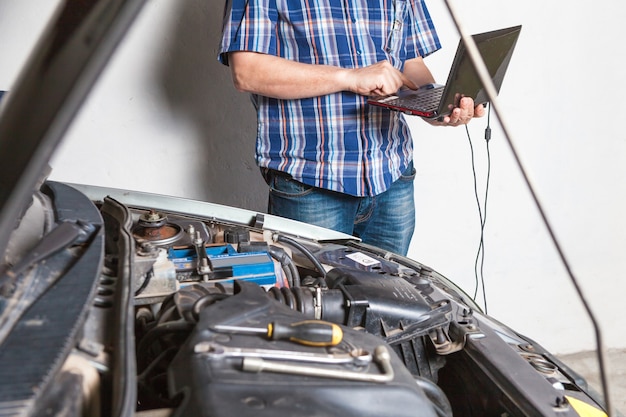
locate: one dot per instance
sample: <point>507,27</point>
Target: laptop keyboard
<point>425,100</point>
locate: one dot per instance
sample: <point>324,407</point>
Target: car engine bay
<point>151,311</point>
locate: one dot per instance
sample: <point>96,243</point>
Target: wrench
<point>381,357</point>
<point>217,351</point>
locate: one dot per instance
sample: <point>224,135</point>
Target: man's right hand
<point>380,79</point>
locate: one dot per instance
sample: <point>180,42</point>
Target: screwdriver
<point>306,332</point>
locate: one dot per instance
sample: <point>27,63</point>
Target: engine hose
<point>295,275</point>
<point>291,272</point>
<point>303,249</point>
<point>297,298</point>
<point>156,332</point>
<point>288,275</point>
<point>329,305</point>
<point>204,301</point>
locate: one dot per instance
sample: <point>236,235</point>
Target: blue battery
<point>225,262</point>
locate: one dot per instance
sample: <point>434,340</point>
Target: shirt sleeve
<point>249,25</point>
<point>422,39</point>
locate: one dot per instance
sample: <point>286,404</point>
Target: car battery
<point>225,265</point>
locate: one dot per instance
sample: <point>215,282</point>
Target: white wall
<point>153,124</point>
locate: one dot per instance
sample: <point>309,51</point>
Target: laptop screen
<point>496,49</point>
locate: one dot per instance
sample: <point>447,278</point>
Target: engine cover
<point>208,373</point>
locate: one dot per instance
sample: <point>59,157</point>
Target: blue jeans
<point>386,220</point>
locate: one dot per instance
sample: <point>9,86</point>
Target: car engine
<point>153,312</point>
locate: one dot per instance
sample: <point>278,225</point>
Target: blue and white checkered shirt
<point>336,141</point>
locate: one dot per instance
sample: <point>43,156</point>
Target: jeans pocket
<point>409,173</point>
<point>282,184</point>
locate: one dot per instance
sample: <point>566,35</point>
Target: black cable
<point>480,213</point>
<point>479,261</point>
<point>204,301</point>
<point>487,182</point>
<point>304,250</point>
<point>167,352</point>
<point>482,230</point>
<point>145,282</point>
<point>156,332</point>
<point>291,272</point>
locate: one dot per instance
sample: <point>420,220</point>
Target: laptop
<point>436,100</point>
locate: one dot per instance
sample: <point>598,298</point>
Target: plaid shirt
<point>336,141</point>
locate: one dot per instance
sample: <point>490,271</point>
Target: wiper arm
<point>61,237</point>
<point>19,296</point>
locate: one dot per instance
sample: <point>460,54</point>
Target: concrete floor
<point>586,364</point>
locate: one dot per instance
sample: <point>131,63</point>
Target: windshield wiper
<point>20,289</point>
<point>59,238</point>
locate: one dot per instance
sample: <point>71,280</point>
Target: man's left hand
<point>460,115</point>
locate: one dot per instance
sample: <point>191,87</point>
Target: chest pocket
<point>397,31</point>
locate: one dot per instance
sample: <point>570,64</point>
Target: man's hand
<point>380,79</point>
<point>460,115</point>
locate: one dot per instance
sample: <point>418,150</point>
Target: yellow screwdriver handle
<point>307,332</point>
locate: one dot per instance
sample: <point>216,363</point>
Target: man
<point>328,157</point>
